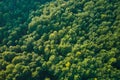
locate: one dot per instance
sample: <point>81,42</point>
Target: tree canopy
<point>59,40</point>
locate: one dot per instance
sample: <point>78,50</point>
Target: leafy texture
<point>59,40</point>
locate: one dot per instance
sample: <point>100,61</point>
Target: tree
<point>8,56</point>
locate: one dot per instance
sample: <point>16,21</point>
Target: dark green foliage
<point>8,56</point>
<point>59,40</point>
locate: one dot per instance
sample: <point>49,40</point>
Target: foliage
<point>59,40</point>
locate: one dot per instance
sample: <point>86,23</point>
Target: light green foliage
<point>59,40</point>
<point>10,68</point>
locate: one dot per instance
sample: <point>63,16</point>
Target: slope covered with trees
<point>59,40</point>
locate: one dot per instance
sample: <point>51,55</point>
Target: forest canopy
<point>59,40</point>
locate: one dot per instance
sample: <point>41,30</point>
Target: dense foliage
<point>59,40</point>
